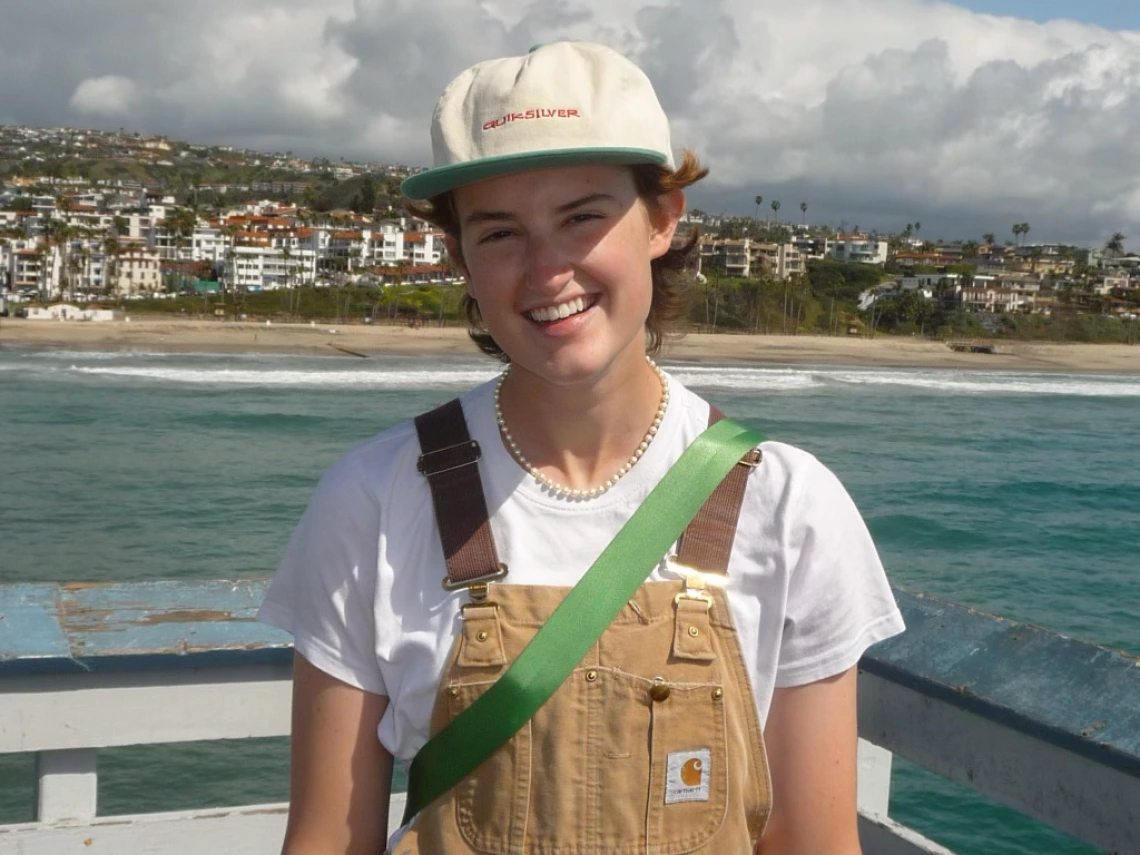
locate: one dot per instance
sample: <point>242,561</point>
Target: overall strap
<point>707,542</point>
<point>449,460</point>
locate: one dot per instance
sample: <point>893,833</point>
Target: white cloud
<point>110,95</point>
<point>873,111</point>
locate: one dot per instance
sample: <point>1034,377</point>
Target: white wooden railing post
<point>874,778</point>
<point>67,785</point>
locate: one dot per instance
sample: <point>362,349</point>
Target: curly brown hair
<point>670,297</point>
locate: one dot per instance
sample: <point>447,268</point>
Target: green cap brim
<point>443,178</point>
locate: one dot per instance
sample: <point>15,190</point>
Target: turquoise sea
<point>1016,493</point>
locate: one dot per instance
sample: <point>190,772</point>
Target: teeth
<point>557,313</point>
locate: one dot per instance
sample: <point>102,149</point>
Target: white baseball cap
<point>566,103</point>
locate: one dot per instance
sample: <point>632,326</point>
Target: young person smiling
<point>717,712</point>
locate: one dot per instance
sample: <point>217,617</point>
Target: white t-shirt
<point>359,585</point>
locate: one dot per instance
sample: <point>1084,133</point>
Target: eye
<point>496,235</point>
<point>583,217</point>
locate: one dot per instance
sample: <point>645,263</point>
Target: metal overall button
<point>660,690</point>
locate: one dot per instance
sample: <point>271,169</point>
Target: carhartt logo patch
<point>687,776</point>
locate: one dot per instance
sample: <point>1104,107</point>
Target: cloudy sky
<point>966,116</point>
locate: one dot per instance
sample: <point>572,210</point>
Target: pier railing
<point>1036,721</point>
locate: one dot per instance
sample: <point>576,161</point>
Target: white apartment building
<point>1112,282</point>
<point>858,249</point>
<point>424,248</point>
<point>351,248</point>
<point>730,257</point>
<point>994,299</point>
<point>388,245</point>
<point>267,268</point>
<point>138,226</point>
<point>778,261</point>
<point>208,243</point>
<point>927,282</point>
<point>25,269</point>
<point>137,272</point>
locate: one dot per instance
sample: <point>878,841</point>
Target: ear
<point>455,253</point>
<point>664,220</point>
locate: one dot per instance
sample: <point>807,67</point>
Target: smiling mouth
<point>549,314</point>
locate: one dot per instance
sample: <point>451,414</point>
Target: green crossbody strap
<point>590,606</point>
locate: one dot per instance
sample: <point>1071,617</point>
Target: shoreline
<point>176,335</point>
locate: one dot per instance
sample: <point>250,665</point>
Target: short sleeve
<point>839,602</point>
<point>325,586</point>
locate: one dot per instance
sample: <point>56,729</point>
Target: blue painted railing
<point>1038,721</point>
<point>49,628</point>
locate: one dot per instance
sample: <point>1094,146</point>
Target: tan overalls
<point>651,745</point>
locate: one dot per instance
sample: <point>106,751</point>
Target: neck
<point>581,437</point>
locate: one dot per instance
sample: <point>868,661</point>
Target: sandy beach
<point>177,335</point>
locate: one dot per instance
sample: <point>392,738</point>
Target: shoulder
<point>787,470</point>
<point>368,469</point>
<point>801,497</point>
<point>384,465</point>
<point>795,470</point>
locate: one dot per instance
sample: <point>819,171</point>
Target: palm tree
<point>756,213</point>
<point>63,236</point>
<point>1024,231</point>
<point>42,255</point>
<point>229,258</point>
<point>917,227</point>
<point>181,223</point>
<point>1115,244</point>
<point>1017,233</point>
<point>287,260</point>
<point>74,265</point>
<point>111,251</point>
<point>990,238</point>
<point>776,209</point>
<point>803,210</point>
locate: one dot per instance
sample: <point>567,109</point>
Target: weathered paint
<point>1068,693</point>
<point>59,629</point>
<point>29,627</point>
<point>1091,801</point>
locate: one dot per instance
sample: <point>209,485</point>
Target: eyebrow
<point>495,216</point>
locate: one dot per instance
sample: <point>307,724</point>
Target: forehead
<point>536,188</point>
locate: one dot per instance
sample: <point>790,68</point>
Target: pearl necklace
<point>561,489</point>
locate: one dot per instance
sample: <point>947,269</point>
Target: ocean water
<point>1016,493</point>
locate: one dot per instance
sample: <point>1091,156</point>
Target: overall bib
<point>652,745</point>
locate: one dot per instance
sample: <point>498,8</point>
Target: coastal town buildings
<point>64,248</point>
<point>115,231</point>
<point>745,257</point>
<point>136,273</point>
<point>857,248</point>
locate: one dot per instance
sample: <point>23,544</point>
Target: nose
<point>548,265</point>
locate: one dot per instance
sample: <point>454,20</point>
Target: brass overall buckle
<point>477,587</point>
